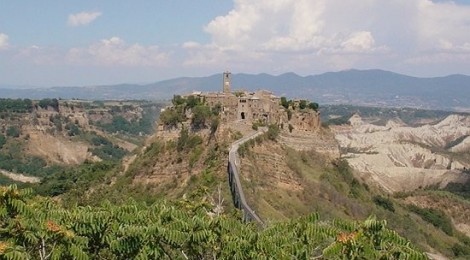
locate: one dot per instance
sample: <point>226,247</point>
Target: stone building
<point>260,106</point>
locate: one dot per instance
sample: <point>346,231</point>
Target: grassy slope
<point>330,189</point>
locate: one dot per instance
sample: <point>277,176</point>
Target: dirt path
<point>20,177</point>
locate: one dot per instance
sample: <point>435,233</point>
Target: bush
<point>109,152</point>
<point>313,106</point>
<point>201,113</point>
<point>193,101</point>
<point>383,202</point>
<point>3,141</point>
<point>290,128</point>
<point>16,105</point>
<point>182,139</point>
<point>178,100</point>
<point>273,132</point>
<point>461,250</point>
<point>171,117</point>
<point>73,130</point>
<point>98,140</point>
<point>289,114</point>
<point>13,131</point>
<point>217,109</point>
<point>47,102</point>
<point>284,102</point>
<point>214,124</point>
<point>434,216</point>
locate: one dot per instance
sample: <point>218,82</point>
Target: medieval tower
<point>227,79</point>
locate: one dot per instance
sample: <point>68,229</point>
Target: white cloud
<point>82,18</point>
<point>3,41</point>
<point>333,33</point>
<point>116,52</point>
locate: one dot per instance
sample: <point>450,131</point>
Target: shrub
<point>383,202</point>
<point>178,100</point>
<point>201,114</point>
<point>434,216</point>
<point>214,124</point>
<point>291,128</point>
<point>171,117</point>
<point>313,106</point>
<point>217,109</point>
<point>47,102</point>
<point>289,114</point>
<point>273,132</point>
<point>13,131</point>
<point>284,102</point>
<point>3,140</point>
<point>193,101</point>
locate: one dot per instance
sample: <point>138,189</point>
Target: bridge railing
<point>237,193</point>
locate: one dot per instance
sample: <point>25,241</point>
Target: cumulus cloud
<point>40,55</point>
<point>334,32</point>
<point>115,51</point>
<point>82,18</point>
<point>3,41</point>
<point>288,25</point>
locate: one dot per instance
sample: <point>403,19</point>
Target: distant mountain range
<point>358,87</point>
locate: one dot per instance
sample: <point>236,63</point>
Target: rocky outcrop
<point>399,157</point>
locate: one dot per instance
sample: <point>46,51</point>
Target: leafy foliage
<point>63,180</point>
<point>139,126</point>
<point>434,216</point>
<point>461,189</point>
<point>313,106</point>
<point>171,117</point>
<point>273,132</point>
<point>16,105</point>
<point>383,202</point>
<point>201,114</point>
<point>47,102</point>
<point>37,228</point>
<point>3,140</point>
<point>13,131</point>
<point>187,141</point>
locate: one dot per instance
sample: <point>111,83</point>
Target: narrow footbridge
<point>236,189</point>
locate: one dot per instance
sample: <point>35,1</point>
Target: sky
<point>89,42</point>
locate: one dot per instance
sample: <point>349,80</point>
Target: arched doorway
<point>242,115</point>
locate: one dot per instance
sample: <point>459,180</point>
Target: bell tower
<point>227,80</point>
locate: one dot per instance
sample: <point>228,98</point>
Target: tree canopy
<point>38,228</point>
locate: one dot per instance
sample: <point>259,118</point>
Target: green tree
<point>201,113</point>
<point>313,106</point>
<point>178,100</point>
<point>193,101</point>
<point>284,102</point>
<point>217,109</point>
<point>39,228</point>
<point>171,117</point>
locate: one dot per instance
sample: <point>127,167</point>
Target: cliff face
<point>306,120</point>
<point>403,158</point>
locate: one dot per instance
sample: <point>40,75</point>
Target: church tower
<point>227,80</point>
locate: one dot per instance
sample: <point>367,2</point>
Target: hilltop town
<point>241,107</point>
